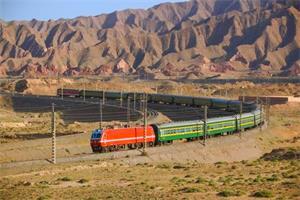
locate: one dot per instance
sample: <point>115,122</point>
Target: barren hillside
<point>193,38</point>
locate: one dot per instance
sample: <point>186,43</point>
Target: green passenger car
<point>179,130</point>
<point>183,100</point>
<point>247,121</point>
<point>258,116</point>
<point>221,125</point>
<point>202,101</point>
<point>158,98</point>
<point>91,94</point>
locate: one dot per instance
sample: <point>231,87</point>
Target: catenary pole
<point>205,124</point>
<point>241,112</point>
<point>53,130</point>
<point>103,96</point>
<point>145,123</point>
<point>128,111</point>
<point>121,99</point>
<point>134,101</point>
<point>100,114</point>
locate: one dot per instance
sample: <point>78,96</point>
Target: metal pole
<point>268,111</point>
<point>121,99</point>
<point>142,103</point>
<point>128,111</point>
<point>134,101</point>
<point>205,124</point>
<point>62,90</point>
<point>103,97</point>
<point>100,111</point>
<point>83,89</point>
<point>53,130</point>
<point>241,112</point>
<point>261,116</point>
<point>145,123</point>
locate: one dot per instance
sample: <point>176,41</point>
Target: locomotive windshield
<point>96,134</point>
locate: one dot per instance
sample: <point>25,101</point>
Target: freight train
<point>230,105</point>
<point>155,135</point>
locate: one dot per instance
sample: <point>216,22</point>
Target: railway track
<point>75,109</point>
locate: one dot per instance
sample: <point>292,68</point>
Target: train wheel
<point>150,144</point>
<point>103,150</point>
<point>112,148</point>
<point>94,150</point>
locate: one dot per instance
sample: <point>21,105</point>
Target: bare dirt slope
<point>192,38</point>
<point>259,164</point>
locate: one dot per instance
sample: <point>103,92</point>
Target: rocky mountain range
<point>192,39</point>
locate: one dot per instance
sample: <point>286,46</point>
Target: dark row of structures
<point>229,105</point>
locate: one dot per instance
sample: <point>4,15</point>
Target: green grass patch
<point>43,197</point>
<point>178,166</point>
<point>263,194</point>
<point>274,177</point>
<point>200,180</point>
<point>83,180</point>
<point>230,193</point>
<point>65,178</point>
<point>189,190</point>
<point>163,166</point>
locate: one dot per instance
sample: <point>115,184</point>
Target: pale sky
<point>55,9</point>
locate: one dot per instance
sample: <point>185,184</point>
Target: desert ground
<point>257,163</point>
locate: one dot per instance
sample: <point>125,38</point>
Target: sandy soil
<point>227,166</point>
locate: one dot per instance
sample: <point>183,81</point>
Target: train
<point>229,105</point>
<point>107,140</point>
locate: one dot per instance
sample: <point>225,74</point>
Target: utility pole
<point>142,102</point>
<point>261,116</point>
<point>268,111</point>
<point>128,111</point>
<point>241,112</point>
<point>62,90</point>
<point>83,89</point>
<point>134,101</point>
<point>121,99</point>
<point>205,124</point>
<point>100,112</point>
<point>145,123</point>
<point>53,130</point>
<point>103,96</point>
